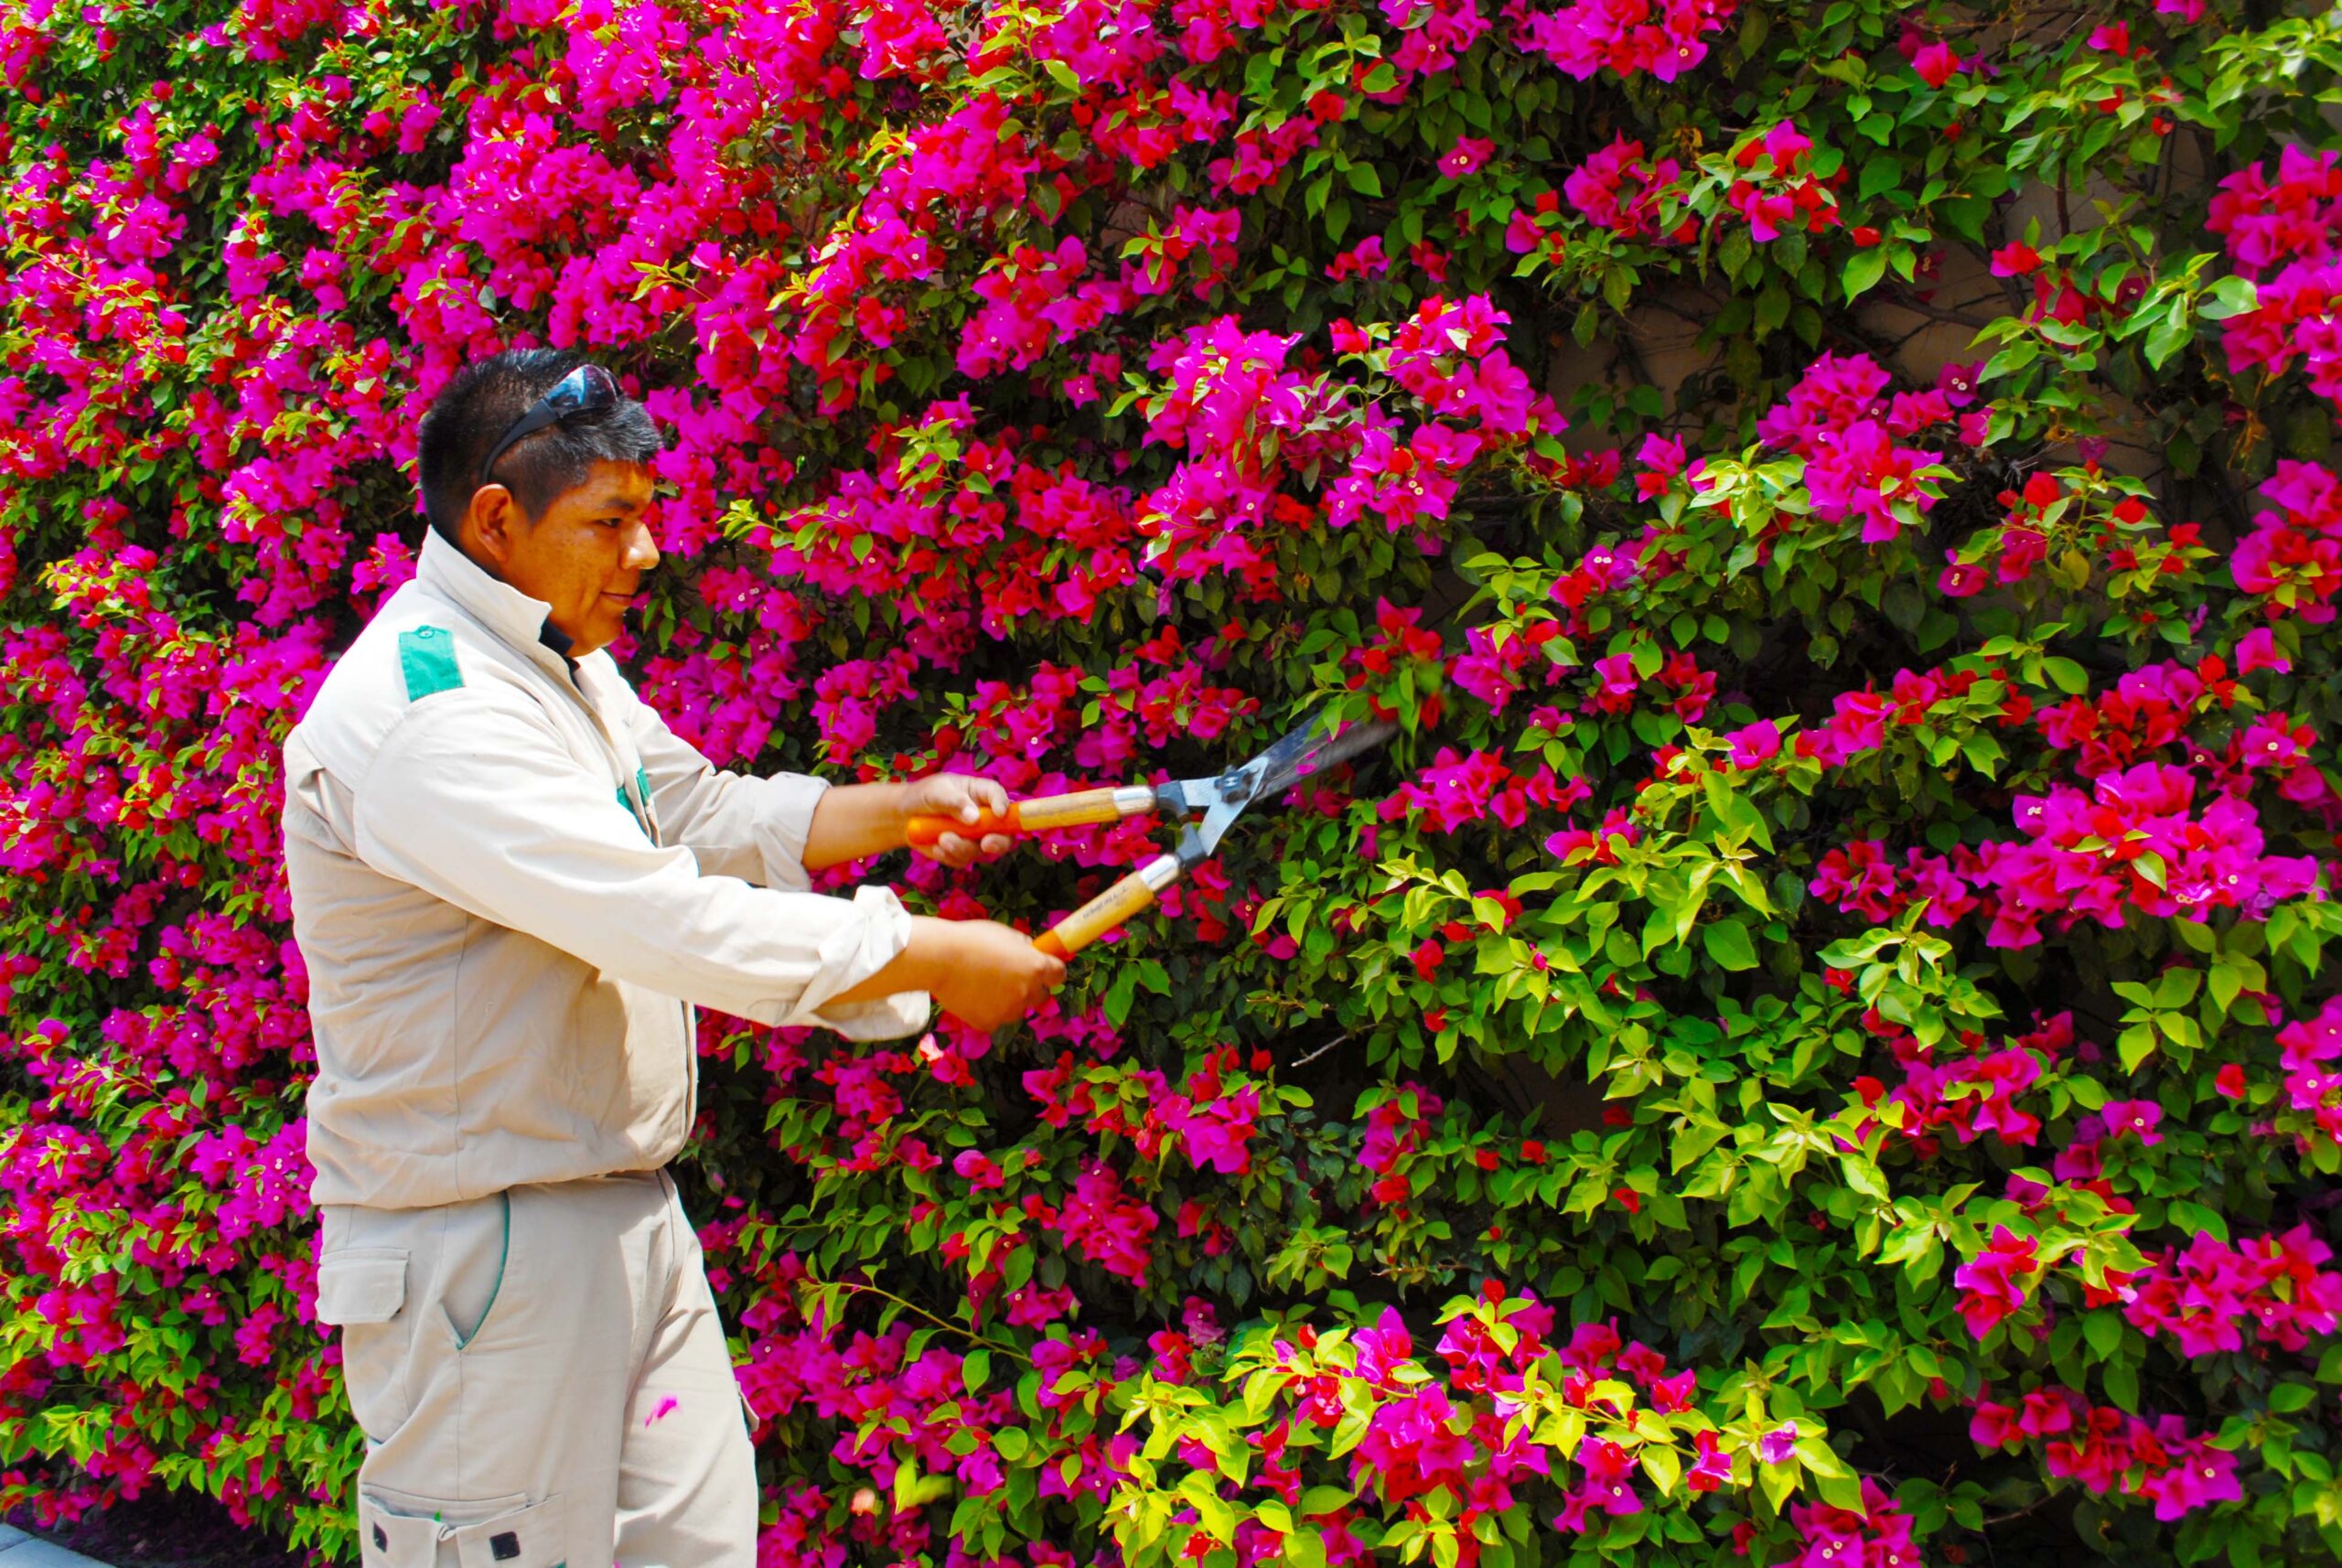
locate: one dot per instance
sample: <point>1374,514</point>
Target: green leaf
<point>2070,677</point>
<point>1864,270</point>
<point>2103,1330</point>
<point>2229,296</point>
<point>2121,1381</point>
<point>2188,1214</point>
<point>1728,944</point>
<point>2167,338</point>
<point>1062,74</point>
<point>1324,1499</point>
<point>973,1370</point>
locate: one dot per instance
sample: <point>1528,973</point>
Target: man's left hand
<point>962,798</point>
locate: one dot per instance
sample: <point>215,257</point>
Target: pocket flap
<point>399,1530</point>
<point>365,1286</point>
<point>533,1537</point>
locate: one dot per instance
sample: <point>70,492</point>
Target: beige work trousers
<point>541,1381</point>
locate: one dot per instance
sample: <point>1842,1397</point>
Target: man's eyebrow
<point>616,503</point>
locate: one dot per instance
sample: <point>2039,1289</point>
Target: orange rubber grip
<point>925,830</point>
<point>1125,900</point>
<point>1033,816</point>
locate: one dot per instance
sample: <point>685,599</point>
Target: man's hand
<point>997,977</point>
<point>962,798</point>
<point>981,972</point>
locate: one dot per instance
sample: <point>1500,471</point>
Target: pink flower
<point>2257,649</point>
<point>1992,1285</point>
<point>1363,260</point>
<point>2136,1116</point>
<point>1469,154</point>
<point>1754,745</point>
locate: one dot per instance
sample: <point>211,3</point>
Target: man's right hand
<point>982,972</point>
<point>993,974</point>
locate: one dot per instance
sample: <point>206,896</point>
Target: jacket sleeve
<point>754,829</point>
<point>474,798</point>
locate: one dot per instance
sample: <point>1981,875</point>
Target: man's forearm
<point>852,820</point>
<point>931,951</point>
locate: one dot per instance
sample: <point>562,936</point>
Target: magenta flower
<point>1754,745</point>
<point>1712,1469</point>
<point>1469,154</point>
<point>1992,1285</point>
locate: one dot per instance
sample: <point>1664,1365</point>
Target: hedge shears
<point>1220,801</point>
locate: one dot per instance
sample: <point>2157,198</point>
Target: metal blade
<point>1307,751</point>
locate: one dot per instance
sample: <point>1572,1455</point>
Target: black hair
<point>480,402</point>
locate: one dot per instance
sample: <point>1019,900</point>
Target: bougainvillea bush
<point>1812,1046</point>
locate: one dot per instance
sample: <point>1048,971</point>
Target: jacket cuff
<point>784,821</point>
<point>851,954</point>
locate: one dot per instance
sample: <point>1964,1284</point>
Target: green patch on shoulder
<point>427,658</point>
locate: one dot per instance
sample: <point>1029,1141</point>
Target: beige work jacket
<point>510,882</point>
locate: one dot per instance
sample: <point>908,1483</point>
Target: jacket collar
<point>520,620</point>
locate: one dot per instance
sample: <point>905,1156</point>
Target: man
<point>510,882</point>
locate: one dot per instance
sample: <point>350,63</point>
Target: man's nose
<point>641,548</point>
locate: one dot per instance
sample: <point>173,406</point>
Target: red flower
<point>2015,261</point>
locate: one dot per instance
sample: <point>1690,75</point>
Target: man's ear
<point>489,526</point>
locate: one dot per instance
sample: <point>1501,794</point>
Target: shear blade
<point>1307,751</point>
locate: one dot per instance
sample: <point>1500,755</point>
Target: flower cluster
<point>1455,791</point>
<point>2202,1294</point>
<point>1776,192</point>
<point>1971,1091</point>
<point>1618,188</point>
<point>2292,561</point>
<point>1628,37</point>
<point>2109,1451</point>
<point>2134,842</point>
<point>1838,419</point>
<point>2281,231</point>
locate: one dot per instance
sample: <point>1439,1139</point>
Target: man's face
<point>586,555</point>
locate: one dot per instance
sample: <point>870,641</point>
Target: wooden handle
<point>1082,806</point>
<point>1129,897</point>
<point>1033,816</point>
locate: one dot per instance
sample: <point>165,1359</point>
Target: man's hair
<point>480,402</point>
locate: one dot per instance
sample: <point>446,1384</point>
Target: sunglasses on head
<point>588,386</point>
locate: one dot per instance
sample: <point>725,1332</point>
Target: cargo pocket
<point>396,1529</point>
<point>478,1253</point>
<point>362,1291</point>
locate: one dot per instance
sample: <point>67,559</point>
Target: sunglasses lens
<point>589,386</point>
